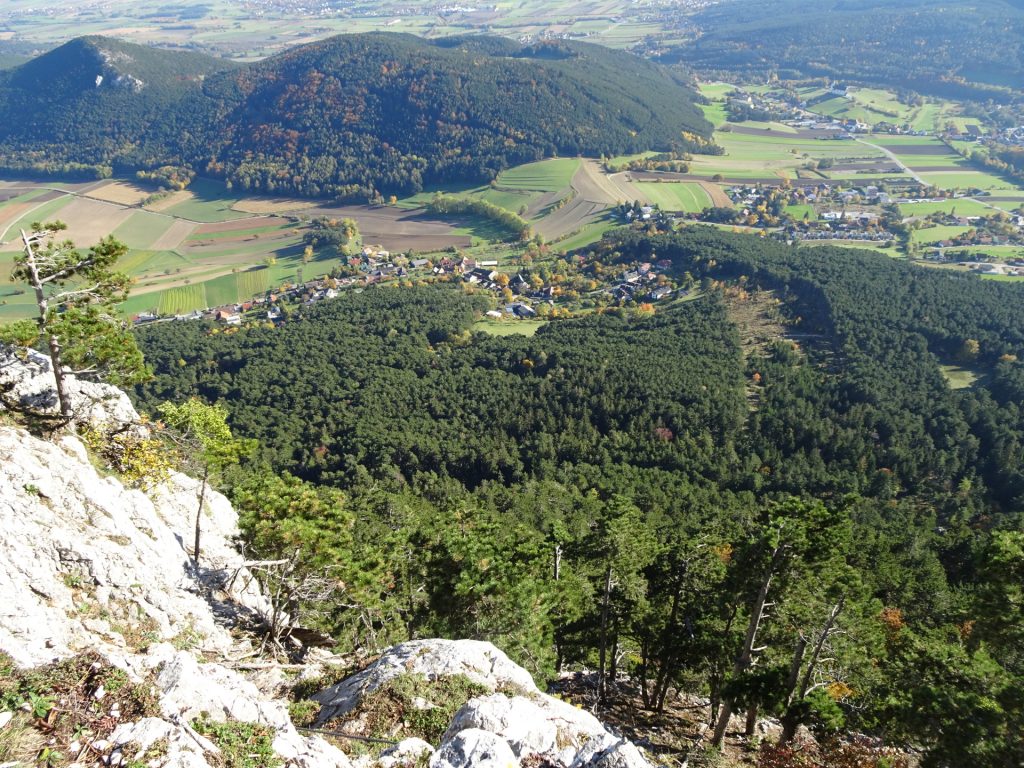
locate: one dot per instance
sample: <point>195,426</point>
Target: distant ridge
<point>352,116</point>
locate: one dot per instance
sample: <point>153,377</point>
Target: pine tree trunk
<point>667,655</point>
<point>751,721</point>
<point>743,661</point>
<point>199,517</point>
<point>603,648</point>
<point>53,343</point>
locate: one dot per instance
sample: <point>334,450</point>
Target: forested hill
<point>351,116</point>
<point>954,48</point>
<point>96,99</point>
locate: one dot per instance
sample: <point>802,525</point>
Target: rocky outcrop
<point>26,384</point>
<point>480,662</point>
<point>96,564</point>
<point>514,724</point>
<point>87,564</point>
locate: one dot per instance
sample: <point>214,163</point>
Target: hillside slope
<point>351,116</point>
<point>96,101</point>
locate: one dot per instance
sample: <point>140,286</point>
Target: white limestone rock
<point>479,661</point>
<point>406,753</point>
<point>474,748</point>
<point>519,721</point>
<point>26,381</point>
<point>607,751</point>
<point>74,545</point>
<point>181,747</point>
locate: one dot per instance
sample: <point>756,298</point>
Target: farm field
<point>768,155</point>
<point>588,235</point>
<point>683,196</point>
<point>936,234</point>
<point>714,112</point>
<point>874,105</point>
<point>996,252</point>
<point>968,180</point>
<point>960,207</point>
<point>203,251</point>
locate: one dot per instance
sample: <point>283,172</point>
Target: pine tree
<point>76,296</point>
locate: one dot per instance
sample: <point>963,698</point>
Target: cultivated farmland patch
<point>122,192</point>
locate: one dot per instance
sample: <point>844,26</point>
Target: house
<point>521,310</point>
<point>659,293</point>
<point>227,317</point>
<point>420,263</point>
<point>494,314</point>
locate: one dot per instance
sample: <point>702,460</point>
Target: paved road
<point>896,160</point>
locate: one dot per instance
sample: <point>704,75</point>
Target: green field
<point>589,235</point>
<point>968,180</point>
<point>935,234</point>
<point>211,203</point>
<point>178,301</point>
<point>143,229</point>
<point>509,327</point>
<point>800,211</point>
<point>515,189</point>
<point>770,156</point>
<point>544,176</point>
<point>997,252</point>
<point>891,251</point>
<point>874,105</point>
<point>1004,278</point>
<point>675,196</point>
<point>959,377</point>
<point>959,207</point>
<point>44,212</point>
<point>714,112</point>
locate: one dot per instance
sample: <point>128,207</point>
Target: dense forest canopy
<point>622,483</point>
<point>354,116</point>
<point>951,48</point>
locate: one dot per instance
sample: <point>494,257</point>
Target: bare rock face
<point>516,724</point>
<point>87,564</point>
<point>480,662</point>
<point>26,382</point>
<point>476,748</point>
<point>89,559</point>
